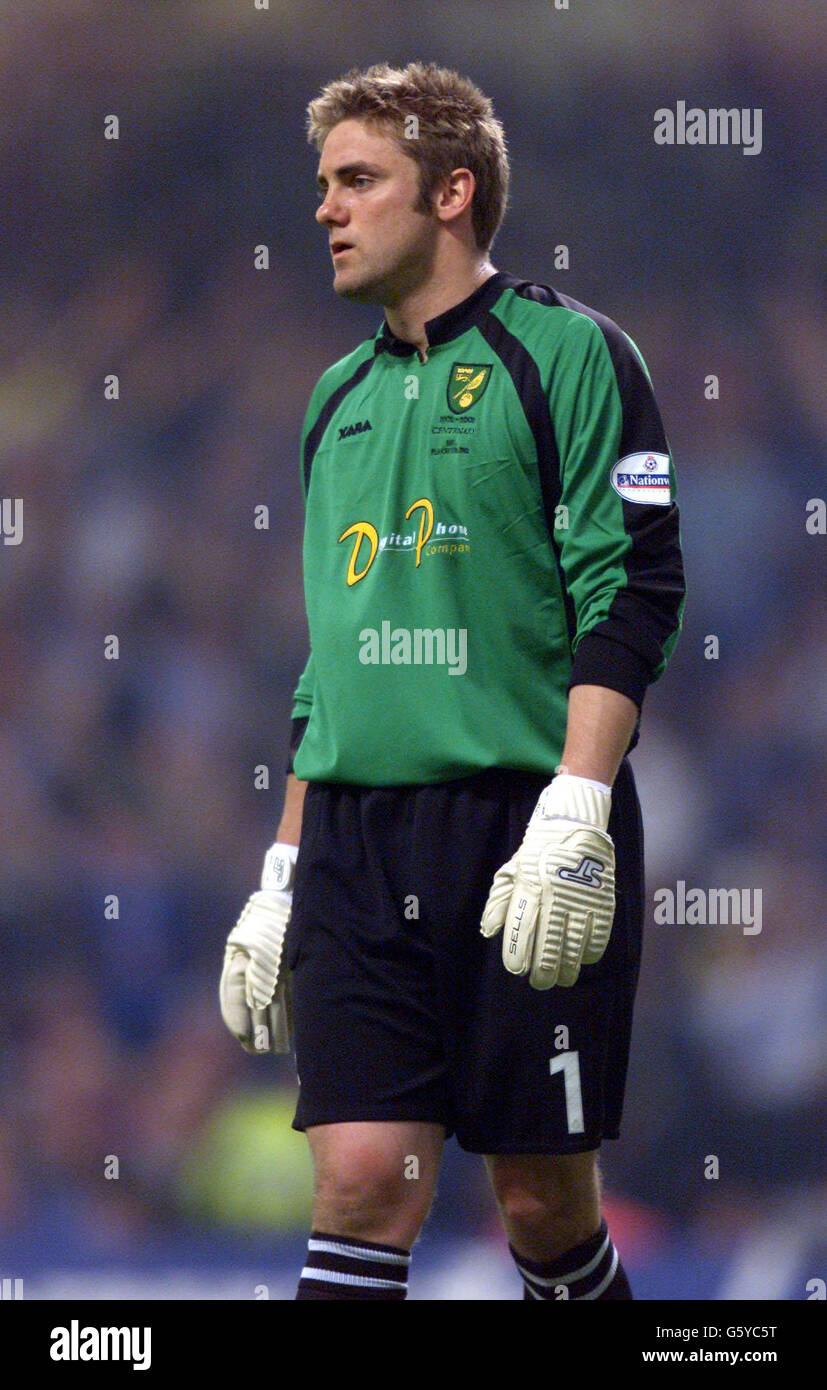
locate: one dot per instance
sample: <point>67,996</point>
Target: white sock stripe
<point>528,1277</point>
<point>604,1283</point>
<point>333,1276</point>
<point>568,1278</point>
<point>358,1252</point>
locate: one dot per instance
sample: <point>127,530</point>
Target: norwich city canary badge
<point>466,385</point>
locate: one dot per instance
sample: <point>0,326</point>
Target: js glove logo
<point>588,871</point>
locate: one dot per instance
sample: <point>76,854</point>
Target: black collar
<point>451,324</point>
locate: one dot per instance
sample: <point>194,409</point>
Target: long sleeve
<point>620,551</point>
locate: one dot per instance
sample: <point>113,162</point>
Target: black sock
<point>589,1271</point>
<point>340,1267</point>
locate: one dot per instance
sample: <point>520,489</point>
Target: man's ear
<point>454,195</point>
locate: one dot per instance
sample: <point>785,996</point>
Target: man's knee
<point>547,1198</point>
<point>364,1182</point>
<point>372,1182</point>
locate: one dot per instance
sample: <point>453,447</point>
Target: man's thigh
<point>544,1071</point>
<point>366,1015</point>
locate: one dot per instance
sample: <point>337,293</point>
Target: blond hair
<point>454,128</point>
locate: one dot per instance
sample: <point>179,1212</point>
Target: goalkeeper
<point>453,908</point>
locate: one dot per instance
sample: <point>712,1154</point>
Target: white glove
<point>555,897</point>
<point>254,990</point>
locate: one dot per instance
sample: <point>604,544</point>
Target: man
<point>493,577</point>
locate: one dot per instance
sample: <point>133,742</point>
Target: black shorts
<point>404,1011</point>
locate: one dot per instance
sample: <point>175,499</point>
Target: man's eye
<point>362,178</point>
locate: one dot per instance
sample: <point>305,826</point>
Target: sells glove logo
<point>515,930</point>
<point>588,871</point>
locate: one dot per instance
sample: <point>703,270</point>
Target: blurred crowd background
<point>140,1148</point>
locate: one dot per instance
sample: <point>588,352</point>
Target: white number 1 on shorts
<point>569,1064</point>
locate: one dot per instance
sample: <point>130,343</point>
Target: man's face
<point>382,248</point>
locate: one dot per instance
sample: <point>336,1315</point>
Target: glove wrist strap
<point>279,867</point>
<point>577,799</point>
<point>588,781</point>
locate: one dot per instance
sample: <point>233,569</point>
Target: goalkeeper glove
<point>555,897</point>
<point>255,988</point>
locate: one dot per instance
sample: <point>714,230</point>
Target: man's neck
<point>407,319</point>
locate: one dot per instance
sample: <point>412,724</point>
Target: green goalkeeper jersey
<point>484,529</point>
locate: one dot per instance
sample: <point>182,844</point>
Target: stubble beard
<point>390,286</point>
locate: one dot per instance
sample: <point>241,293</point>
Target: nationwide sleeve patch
<point>643,478</point>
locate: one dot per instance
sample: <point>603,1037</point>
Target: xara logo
<point>360,427</point>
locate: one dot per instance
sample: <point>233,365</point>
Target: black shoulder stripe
<point>530,289</point>
<point>326,414</point>
<point>642,424</point>
<point>525,374</point>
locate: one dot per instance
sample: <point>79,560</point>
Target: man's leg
<point>550,1208</point>
<point>374,1184</point>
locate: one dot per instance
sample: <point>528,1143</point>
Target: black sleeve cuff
<point>602,661</point>
<point>296,736</point>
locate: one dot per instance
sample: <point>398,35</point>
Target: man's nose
<point>329,210</point>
